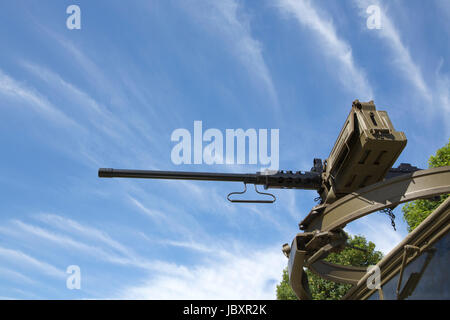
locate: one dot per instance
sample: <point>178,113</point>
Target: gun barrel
<point>279,179</point>
<point>178,175</point>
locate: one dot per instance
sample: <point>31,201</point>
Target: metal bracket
<point>407,250</point>
<point>415,277</point>
<point>380,293</point>
<point>389,193</point>
<point>251,201</point>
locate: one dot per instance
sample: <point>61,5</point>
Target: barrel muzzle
<point>105,173</point>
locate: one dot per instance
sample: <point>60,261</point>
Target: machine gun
<point>306,180</point>
<point>355,180</point>
<point>364,153</point>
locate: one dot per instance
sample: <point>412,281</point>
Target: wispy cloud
<point>87,240</point>
<point>437,95</point>
<point>402,57</point>
<point>189,245</point>
<point>336,48</point>
<point>248,275</point>
<point>171,219</point>
<point>443,91</point>
<point>92,72</point>
<point>19,258</point>
<point>96,114</point>
<point>16,90</point>
<point>229,20</point>
<point>101,253</point>
<point>105,127</point>
<point>152,213</point>
<point>17,276</point>
<point>88,232</point>
<point>224,271</point>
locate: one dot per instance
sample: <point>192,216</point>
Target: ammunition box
<point>365,150</point>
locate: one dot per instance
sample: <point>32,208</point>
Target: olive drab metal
<point>355,180</point>
<point>365,150</point>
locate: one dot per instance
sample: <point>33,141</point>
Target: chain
<point>390,213</point>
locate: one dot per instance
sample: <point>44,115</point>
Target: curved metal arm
<point>385,194</point>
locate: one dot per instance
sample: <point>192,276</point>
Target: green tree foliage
<point>322,289</point>
<point>284,290</point>
<point>416,211</point>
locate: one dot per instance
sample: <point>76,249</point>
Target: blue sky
<point>112,93</point>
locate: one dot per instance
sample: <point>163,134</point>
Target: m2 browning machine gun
<point>356,179</point>
<point>363,154</point>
